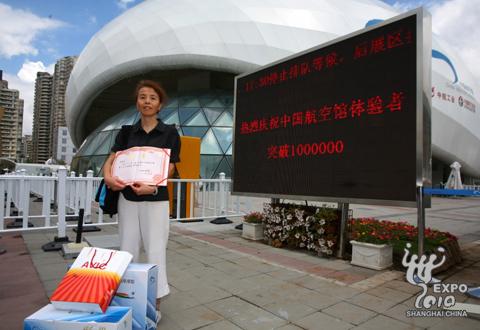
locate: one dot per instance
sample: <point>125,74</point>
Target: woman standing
<point>143,210</point>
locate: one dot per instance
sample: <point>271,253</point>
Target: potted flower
<point>253,226</point>
<point>371,246</point>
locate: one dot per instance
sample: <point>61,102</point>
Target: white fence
<point>62,197</point>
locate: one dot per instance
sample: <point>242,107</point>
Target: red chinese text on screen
<point>354,109</point>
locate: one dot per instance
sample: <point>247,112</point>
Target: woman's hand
<point>113,183</point>
<point>143,189</point>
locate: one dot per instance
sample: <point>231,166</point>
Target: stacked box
<point>50,318</point>
<point>138,290</point>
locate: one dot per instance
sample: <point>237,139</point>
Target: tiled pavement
<point>221,281</point>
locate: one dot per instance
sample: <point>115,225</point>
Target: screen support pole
<point>343,229</point>
<point>420,221</point>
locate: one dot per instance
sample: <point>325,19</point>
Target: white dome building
<point>195,48</point>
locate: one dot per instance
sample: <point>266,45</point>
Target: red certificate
<point>148,165</point>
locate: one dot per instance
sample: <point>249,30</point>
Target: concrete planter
<point>373,256</point>
<point>253,231</point>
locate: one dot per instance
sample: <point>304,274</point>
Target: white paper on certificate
<point>148,165</point>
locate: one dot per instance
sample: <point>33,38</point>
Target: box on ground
<point>91,282</point>
<point>50,318</point>
<point>138,290</point>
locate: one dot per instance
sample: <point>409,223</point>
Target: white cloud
<point>123,4</point>
<point>456,22</point>
<point>92,19</point>
<point>24,82</point>
<point>18,30</point>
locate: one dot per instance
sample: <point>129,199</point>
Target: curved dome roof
<point>236,36</point>
<point>228,36</point>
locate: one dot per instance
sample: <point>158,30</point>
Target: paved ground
<point>221,281</point>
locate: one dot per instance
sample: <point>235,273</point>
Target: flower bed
<point>311,228</point>
<point>398,234</point>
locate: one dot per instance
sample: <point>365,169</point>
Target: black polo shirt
<point>162,136</point>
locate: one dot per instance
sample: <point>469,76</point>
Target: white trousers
<point>147,222</point>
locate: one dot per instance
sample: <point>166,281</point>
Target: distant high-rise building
<point>27,149</point>
<point>41,117</point>
<point>62,151</point>
<point>11,122</point>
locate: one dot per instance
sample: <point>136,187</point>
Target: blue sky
<point>35,33</point>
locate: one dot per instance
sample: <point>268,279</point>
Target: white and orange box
<point>92,281</point>
<point>148,165</point>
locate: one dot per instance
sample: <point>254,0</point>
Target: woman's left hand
<point>142,189</point>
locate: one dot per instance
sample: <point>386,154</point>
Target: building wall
<point>41,117</point>
<point>63,68</point>
<point>11,121</point>
<point>65,150</point>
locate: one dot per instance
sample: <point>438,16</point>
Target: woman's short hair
<point>155,86</point>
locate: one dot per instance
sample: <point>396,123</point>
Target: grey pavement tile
<point>236,286</point>
<point>231,307</point>
<point>167,323</point>
<point>457,323</point>
<point>289,310</point>
<point>178,302</point>
<point>381,322</point>
<point>230,255</point>
<point>373,303</point>
<point>403,286</point>
<point>321,320</point>
<point>336,264</point>
<point>234,270</point>
<point>310,282</point>
<point>336,290</point>
<point>265,280</point>
<point>389,294</point>
<point>195,317</point>
<point>205,293</point>
<point>261,297</point>
<point>319,301</point>
<point>398,312</point>
<point>349,313</point>
<point>221,325</point>
<point>257,319</point>
<point>289,327</point>
<point>259,266</point>
<point>286,274</point>
<point>51,272</point>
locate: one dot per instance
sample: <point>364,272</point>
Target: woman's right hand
<point>113,183</point>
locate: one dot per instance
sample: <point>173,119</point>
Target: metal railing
<point>62,196</point>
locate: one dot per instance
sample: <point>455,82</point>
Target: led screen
<point>338,121</point>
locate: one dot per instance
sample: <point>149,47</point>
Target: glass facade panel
<point>225,119</point>
<point>197,120</point>
<point>224,137</point>
<point>194,131</point>
<point>210,145</point>
<point>212,114</point>
<point>209,165</point>
<point>186,113</point>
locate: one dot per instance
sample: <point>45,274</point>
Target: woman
<point>143,210</point>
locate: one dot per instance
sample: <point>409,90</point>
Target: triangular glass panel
<point>197,120</point>
<point>173,119</point>
<point>186,113</point>
<point>229,160</point>
<point>172,103</point>
<point>208,166</point>
<point>229,150</point>
<point>225,119</point>
<point>179,130</point>
<point>205,99</point>
<point>224,136</point>
<point>210,145</point>
<point>212,114</point>
<point>189,102</point>
<point>194,131</point>
<point>215,103</point>
<point>223,167</point>
<point>166,112</point>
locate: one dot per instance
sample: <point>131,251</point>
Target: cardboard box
<point>138,290</point>
<point>91,282</point>
<point>50,318</point>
